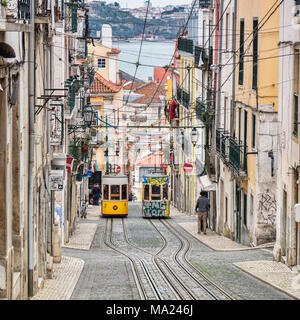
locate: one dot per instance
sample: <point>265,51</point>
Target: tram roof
<point>115,176</point>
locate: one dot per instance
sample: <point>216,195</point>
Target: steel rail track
<point>138,280</point>
<point>179,234</point>
<point>140,287</point>
<point>157,260</point>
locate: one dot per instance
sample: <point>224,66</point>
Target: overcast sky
<point>155,3</point>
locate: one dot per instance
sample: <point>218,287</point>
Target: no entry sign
<point>118,169</point>
<point>188,167</point>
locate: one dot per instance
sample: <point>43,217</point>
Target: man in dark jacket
<point>96,194</point>
<point>201,209</point>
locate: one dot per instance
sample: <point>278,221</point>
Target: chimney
<point>107,35</point>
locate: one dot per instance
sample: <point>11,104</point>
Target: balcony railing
<point>237,156</point>
<point>184,97</point>
<point>232,152</point>
<point>186,45</point>
<point>201,111</point>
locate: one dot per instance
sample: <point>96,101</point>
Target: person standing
<point>96,194</point>
<point>202,207</point>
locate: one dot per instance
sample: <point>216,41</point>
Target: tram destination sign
<point>156,180</point>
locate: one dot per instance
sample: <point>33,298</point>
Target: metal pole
<point>31,89</point>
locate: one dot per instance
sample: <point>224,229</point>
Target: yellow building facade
<point>256,123</point>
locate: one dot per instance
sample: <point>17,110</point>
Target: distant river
<point>153,53</point>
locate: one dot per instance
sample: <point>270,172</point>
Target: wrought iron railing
<point>237,155</point>
<point>201,112</point>
<point>23,9</point>
<point>183,97</point>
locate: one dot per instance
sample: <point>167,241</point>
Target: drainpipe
<point>31,90</point>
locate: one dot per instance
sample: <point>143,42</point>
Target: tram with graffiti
<point>156,195</point>
<point>114,196</point>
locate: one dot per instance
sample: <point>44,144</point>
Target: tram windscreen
<point>165,192</point>
<point>146,191</point>
<point>124,192</point>
<point>155,192</point>
<point>114,192</point>
<point>105,192</point>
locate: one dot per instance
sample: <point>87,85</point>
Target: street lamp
<point>194,136</point>
<point>88,114</point>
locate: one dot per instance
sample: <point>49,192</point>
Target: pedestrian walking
<point>201,209</point>
<point>96,194</point>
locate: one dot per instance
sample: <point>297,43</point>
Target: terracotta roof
<point>114,51</point>
<point>132,86</point>
<point>101,85</point>
<point>148,91</point>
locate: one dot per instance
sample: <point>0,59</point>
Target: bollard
<point>56,243</point>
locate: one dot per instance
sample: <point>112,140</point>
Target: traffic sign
<point>118,169</point>
<point>164,166</point>
<point>188,167</point>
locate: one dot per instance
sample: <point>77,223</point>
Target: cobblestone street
<point>142,246</point>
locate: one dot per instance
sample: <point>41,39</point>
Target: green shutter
<point>295,132</point>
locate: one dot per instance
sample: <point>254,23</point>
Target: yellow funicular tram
<point>156,193</point>
<point>114,195</point>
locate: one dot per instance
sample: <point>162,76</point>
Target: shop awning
<point>206,184</point>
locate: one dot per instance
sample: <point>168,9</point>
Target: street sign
<point>118,169</point>
<point>164,166</point>
<point>56,180</point>
<point>188,167</point>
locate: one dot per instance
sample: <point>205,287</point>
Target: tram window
<point>114,192</point>
<point>105,192</point>
<point>124,192</point>
<point>165,192</point>
<point>155,192</point>
<point>146,191</point>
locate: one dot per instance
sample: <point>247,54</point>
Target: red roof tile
<point>101,85</point>
<point>148,91</point>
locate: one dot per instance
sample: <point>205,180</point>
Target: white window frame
<point>103,62</point>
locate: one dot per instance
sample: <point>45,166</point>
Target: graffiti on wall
<point>267,208</point>
<point>155,208</point>
<point>157,181</point>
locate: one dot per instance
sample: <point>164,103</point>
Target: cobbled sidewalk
<point>211,239</point>
<point>65,277</point>
<point>278,275</point>
<point>67,273</point>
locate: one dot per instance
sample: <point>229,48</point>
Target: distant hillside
<point>126,26</point>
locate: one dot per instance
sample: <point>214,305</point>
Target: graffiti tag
<point>267,208</point>
<point>155,208</point>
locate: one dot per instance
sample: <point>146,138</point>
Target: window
<point>296,101</point>
<point>227,32</point>
<point>225,113</point>
<point>241,62</point>
<point>105,192</point>
<point>124,192</point>
<point>226,209</point>
<point>296,93</point>
<point>146,192</point>
<point>253,131</point>
<point>165,192</point>
<point>155,192</point>
<point>114,192</point>
<point>255,54</point>
<point>245,209</point>
<point>233,32</point>
<point>102,63</point>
